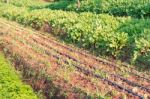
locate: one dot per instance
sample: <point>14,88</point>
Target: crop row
<point>124,38</point>
<point>134,8</point>
<point>26,3</point>
<point>10,83</point>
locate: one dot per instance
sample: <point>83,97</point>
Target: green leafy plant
<point>11,86</point>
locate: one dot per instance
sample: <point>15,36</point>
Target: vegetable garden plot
<point>61,62</point>
<point>102,34</point>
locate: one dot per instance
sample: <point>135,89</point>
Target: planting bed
<point>11,86</point>
<point>63,71</point>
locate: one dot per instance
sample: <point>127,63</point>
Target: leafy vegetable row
<point>27,3</point>
<point>123,38</point>
<point>135,8</point>
<point>11,86</point>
